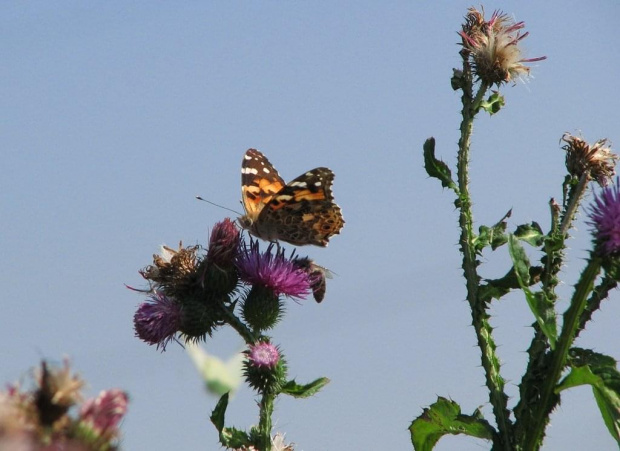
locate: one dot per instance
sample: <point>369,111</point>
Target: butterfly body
<point>300,212</point>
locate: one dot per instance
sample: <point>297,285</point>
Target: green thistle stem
<point>238,325</point>
<point>480,318</point>
<point>575,199</point>
<point>600,292</point>
<point>265,424</point>
<point>572,316</point>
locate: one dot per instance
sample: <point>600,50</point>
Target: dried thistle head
<point>596,160</point>
<point>58,390</point>
<point>493,47</point>
<point>174,271</point>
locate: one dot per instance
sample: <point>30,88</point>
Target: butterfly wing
<point>303,211</point>
<point>259,183</point>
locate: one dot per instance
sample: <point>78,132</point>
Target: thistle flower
<point>158,320</point>
<point>263,355</point>
<point>104,413</point>
<point>58,390</point>
<point>493,47</point>
<point>595,160</point>
<point>277,443</point>
<point>174,271</point>
<point>272,271</point>
<point>18,415</point>
<point>265,368</point>
<point>218,273</point>
<point>605,220</point>
<point>39,419</point>
<point>223,243</point>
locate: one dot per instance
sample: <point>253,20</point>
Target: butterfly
<point>299,212</point>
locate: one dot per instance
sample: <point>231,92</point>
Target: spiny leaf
<point>539,304</point>
<point>531,234</point>
<point>493,104</point>
<point>437,168</point>
<point>496,288</point>
<point>217,416</point>
<point>599,371</point>
<point>234,438</point>
<point>229,437</point>
<point>304,391</point>
<point>492,236</point>
<point>444,417</point>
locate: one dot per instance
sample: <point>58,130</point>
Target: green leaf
<point>234,438</point>
<point>437,168</point>
<point>229,437</point>
<point>492,236</point>
<point>444,417</point>
<point>531,234</point>
<point>599,371</point>
<point>540,305</point>
<point>295,390</point>
<point>493,104</point>
<point>217,416</point>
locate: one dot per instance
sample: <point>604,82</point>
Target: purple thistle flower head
<point>157,320</point>
<point>263,355</point>
<point>605,220</point>
<point>223,243</point>
<point>273,271</point>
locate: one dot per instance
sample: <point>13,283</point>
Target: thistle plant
<point>492,57</point>
<point>193,292</point>
<point>40,418</point>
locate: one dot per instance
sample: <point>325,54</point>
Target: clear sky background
<point>116,114</point>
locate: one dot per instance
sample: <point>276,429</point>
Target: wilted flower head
<point>605,220</point>
<point>18,414</point>
<point>158,320</point>
<point>263,355</point>
<point>493,46</point>
<point>174,271</point>
<point>223,243</point>
<point>273,271</point>
<point>104,413</point>
<point>595,160</point>
<point>277,443</point>
<point>58,390</point>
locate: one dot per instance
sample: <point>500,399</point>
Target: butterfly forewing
<point>259,182</point>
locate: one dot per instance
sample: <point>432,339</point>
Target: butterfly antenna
<point>221,206</point>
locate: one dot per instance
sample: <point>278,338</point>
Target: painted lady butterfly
<point>300,212</point>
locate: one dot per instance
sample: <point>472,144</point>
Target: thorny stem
<point>600,292</point>
<point>548,397</point>
<point>265,424</point>
<point>480,317</point>
<point>575,200</point>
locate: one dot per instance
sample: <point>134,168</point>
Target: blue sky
<point>115,115</point>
